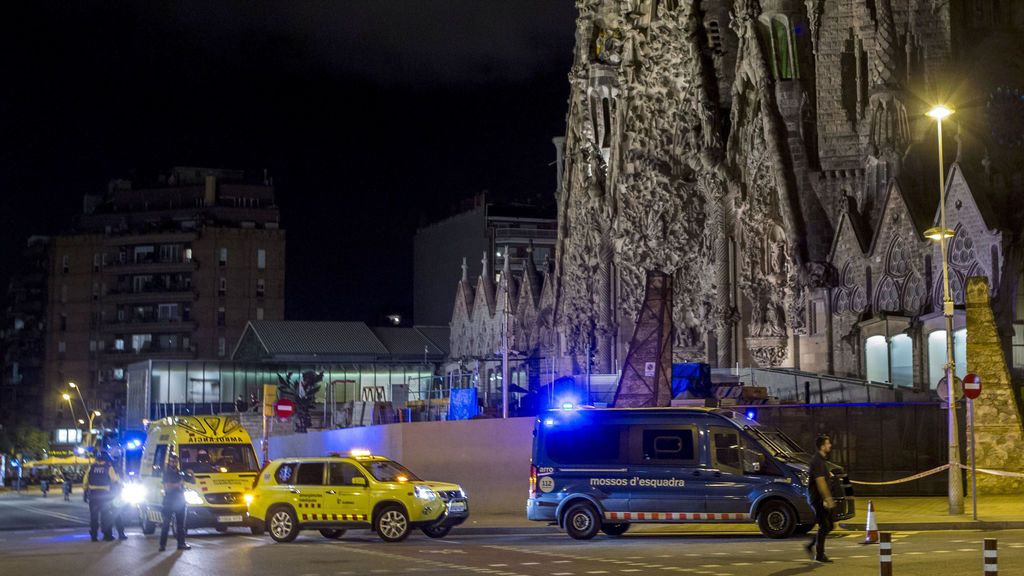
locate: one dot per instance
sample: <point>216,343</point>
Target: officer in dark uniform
<point>174,503</point>
<point>101,481</point>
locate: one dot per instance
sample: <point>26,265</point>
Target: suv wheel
<point>582,521</point>
<point>148,528</point>
<point>776,519</point>
<point>282,524</point>
<point>437,531</point>
<point>391,524</point>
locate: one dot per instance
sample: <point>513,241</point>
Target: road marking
<point>529,563</point>
<point>597,571</point>
<point>630,570</point>
<point>561,574</point>
<point>911,553</point>
<point>497,565</point>
<point>859,556</point>
<point>742,564</point>
<point>965,550</point>
<point>562,561</point>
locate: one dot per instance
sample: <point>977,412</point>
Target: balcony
<point>151,265</point>
<point>150,325</point>
<point>149,353</point>
<point>152,292</point>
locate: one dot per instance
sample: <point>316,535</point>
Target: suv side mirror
<point>359,481</point>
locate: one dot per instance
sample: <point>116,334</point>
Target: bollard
<point>991,557</point>
<point>884,554</point>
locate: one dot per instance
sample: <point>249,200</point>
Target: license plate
<point>457,507</point>
<point>226,519</point>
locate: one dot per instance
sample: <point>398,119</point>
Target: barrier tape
<point>938,469</point>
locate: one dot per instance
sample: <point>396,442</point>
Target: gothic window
<point>961,250</point>
<point>897,262</point>
<point>876,359</point>
<point>913,294</point>
<point>859,301</point>
<point>901,360</point>
<point>848,280</point>
<point>888,296</point>
<point>841,304</point>
<point>784,69</point>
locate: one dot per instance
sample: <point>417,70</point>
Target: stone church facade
<point>775,158</point>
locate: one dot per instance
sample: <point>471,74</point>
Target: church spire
<point>465,270</point>
<point>886,52</point>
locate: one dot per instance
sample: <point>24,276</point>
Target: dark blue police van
<point>604,469</point>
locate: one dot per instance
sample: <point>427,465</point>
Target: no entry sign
<point>972,386</point>
<point>284,408</point>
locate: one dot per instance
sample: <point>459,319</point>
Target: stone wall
<point>998,432</point>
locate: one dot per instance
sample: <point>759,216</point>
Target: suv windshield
<point>388,471</point>
<point>210,458</point>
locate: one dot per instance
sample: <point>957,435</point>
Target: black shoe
<point>162,548</point>
<point>809,549</point>
<point>108,538</point>
<point>188,547</point>
<point>823,560</point>
<point>94,539</point>
<point>122,537</point>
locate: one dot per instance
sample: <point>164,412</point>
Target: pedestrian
<point>65,488</point>
<point>254,402</point>
<point>100,482</point>
<point>173,504</point>
<point>240,405</point>
<point>821,498</point>
<point>117,506</point>
<point>44,485</point>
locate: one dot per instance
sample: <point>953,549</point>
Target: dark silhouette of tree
<point>302,391</point>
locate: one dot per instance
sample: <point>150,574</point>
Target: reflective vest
<point>99,477</point>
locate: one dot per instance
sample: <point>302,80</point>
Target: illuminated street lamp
<point>90,414</point>
<point>67,397</point>
<point>941,234</point>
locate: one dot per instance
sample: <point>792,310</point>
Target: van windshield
<point>777,442</point>
<point>211,458</point>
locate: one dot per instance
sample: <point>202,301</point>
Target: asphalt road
<point>69,551</point>
<point>29,510</point>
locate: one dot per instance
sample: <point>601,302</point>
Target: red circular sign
<point>284,408</point>
<point>972,386</point>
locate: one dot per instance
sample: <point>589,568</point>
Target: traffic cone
<point>871,537</point>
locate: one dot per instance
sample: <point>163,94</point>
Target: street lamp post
<point>90,414</point>
<point>956,493</point>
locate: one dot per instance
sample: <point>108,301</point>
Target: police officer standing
<point>174,503</point>
<point>821,498</point>
<point>100,483</point>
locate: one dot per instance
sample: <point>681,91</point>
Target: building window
<point>223,260</point>
<point>221,317</point>
<point>937,355</point>
<point>63,293</point>
<point>170,253</point>
<point>901,359</point>
<point>222,347</point>
<point>65,264</point>
<point>63,322</point>
<point>118,373</point>
<point>876,359</point>
<point>261,287</point>
<point>261,258</point>
<point>141,341</point>
<point>222,286</point>
<point>67,435</point>
<point>119,344</point>
<point>259,313</point>
<point>92,345</point>
<point>96,262</point>
<point>95,290</point>
<point>188,255</point>
<point>168,312</point>
<point>61,347</point>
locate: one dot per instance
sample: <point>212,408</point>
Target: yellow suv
<point>335,493</point>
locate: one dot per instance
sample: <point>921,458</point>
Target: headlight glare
<point>192,497</point>
<point>425,493</point>
<point>133,493</point>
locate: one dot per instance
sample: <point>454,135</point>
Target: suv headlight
<point>133,493</point>
<point>424,493</point>
<point>192,497</point>
<point>461,492</point>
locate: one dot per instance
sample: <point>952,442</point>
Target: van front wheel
<point>776,519</point>
<point>582,521</point>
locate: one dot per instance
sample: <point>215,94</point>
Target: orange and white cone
<point>871,536</point>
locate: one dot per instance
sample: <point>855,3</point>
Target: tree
<point>29,441</point>
<point>302,391</point>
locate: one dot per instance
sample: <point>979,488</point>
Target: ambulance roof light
<point>359,452</point>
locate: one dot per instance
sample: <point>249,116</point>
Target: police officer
<point>174,503</point>
<point>821,499</point>
<point>100,483</point>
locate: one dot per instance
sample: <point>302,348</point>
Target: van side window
<point>159,456</point>
<point>726,445</point>
<point>668,444</point>
<point>310,474</point>
<point>588,445</point>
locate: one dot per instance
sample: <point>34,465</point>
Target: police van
<point>217,457</point>
<point>605,469</point>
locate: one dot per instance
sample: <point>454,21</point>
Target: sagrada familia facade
<point>775,158</point>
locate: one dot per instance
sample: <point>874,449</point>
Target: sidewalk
<point>994,513</point>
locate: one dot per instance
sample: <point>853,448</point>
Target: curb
<point>498,530</point>
<point>926,526</point>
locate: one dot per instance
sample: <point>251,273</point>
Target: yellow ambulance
<point>219,462</point>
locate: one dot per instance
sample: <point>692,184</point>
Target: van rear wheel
<point>776,519</point>
<point>582,521</point>
<point>615,529</point>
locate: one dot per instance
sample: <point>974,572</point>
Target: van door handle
<point>331,492</point>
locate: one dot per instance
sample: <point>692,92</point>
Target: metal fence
<point>873,442</point>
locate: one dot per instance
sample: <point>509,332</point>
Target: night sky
<point>372,116</point>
